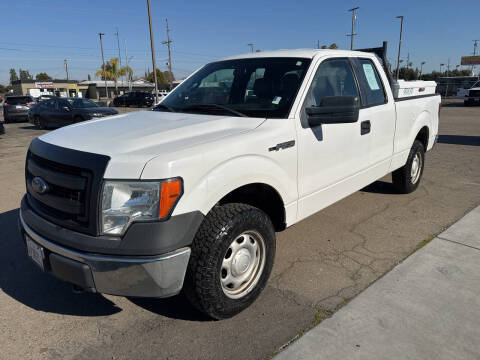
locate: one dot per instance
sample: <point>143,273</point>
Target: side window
<point>334,77</point>
<point>373,92</point>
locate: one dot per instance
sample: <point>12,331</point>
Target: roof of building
<point>111,83</point>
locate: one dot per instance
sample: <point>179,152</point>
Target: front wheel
<point>232,257</point>
<point>407,178</point>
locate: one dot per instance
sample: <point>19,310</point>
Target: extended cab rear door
<point>378,108</point>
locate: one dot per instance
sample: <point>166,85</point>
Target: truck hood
<point>131,140</point>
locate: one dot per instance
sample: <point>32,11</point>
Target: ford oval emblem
<point>39,185</point>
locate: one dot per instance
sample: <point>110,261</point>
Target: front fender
<point>229,175</point>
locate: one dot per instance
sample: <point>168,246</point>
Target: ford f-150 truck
<point>189,196</point>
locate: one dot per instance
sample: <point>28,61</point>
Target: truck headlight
<point>124,202</point>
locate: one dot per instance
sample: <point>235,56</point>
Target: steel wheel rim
<point>242,264</point>
<point>416,168</point>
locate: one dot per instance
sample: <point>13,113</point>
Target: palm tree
<point>112,72</point>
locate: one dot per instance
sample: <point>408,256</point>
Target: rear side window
<point>373,92</point>
<point>18,100</point>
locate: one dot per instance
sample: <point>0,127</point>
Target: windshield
<point>256,87</point>
<point>79,103</point>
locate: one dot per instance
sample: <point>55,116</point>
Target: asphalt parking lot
<point>321,263</point>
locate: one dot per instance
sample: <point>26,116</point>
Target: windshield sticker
<point>370,75</point>
<point>299,63</point>
<point>276,100</point>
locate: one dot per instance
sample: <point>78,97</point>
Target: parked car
<point>134,98</point>
<point>472,95</point>
<point>45,97</point>
<point>190,195</point>
<point>57,112</point>
<point>15,107</point>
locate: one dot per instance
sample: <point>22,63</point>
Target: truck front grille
<point>72,180</point>
<point>67,192</point>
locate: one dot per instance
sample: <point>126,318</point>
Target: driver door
<point>331,157</point>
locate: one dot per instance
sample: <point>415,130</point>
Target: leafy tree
<point>88,77</point>
<point>25,75</point>
<point>333,46</point>
<point>112,71</point>
<point>3,89</point>
<point>169,76</point>
<point>13,76</point>
<point>323,47</point>
<point>161,79</point>
<point>42,77</point>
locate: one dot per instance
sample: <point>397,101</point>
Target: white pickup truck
<point>189,196</point>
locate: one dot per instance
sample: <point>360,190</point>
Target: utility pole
<point>352,34</point>
<point>103,62</point>
<point>119,57</point>
<point>251,46</point>
<point>66,67</point>
<point>126,61</point>
<point>399,45</point>
<point>168,42</point>
<point>318,44</point>
<point>153,51</point>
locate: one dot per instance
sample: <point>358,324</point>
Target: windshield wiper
<point>212,107</point>
<point>163,106</point>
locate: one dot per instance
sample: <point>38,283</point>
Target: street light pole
<point>352,34</point>
<point>66,67</point>
<point>153,50</point>
<point>103,63</point>
<point>399,45</point>
<point>421,69</point>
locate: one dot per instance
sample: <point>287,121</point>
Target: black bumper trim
<point>141,239</point>
<point>72,271</point>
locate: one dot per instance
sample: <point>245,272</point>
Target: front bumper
<point>142,276</point>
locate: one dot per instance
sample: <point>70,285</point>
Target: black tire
<point>77,119</point>
<point>6,119</point>
<point>467,103</point>
<point>37,121</point>
<point>403,181</point>
<point>220,229</point>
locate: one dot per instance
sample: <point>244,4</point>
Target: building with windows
<point>57,87</point>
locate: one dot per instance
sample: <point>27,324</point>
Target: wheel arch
<point>262,196</point>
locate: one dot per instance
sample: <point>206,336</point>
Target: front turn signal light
<point>169,195</point>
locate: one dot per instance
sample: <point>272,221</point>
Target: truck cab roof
<point>298,53</point>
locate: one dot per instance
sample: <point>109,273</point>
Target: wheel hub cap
<point>416,168</point>
<point>242,264</point>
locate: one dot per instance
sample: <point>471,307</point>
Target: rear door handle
<point>365,127</point>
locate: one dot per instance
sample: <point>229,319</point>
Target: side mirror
<point>66,108</point>
<point>334,110</point>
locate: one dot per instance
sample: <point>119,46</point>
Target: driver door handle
<point>365,127</point>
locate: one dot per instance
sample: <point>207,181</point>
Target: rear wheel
<point>37,121</point>
<point>407,178</point>
<point>232,257</point>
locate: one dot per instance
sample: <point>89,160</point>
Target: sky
<point>38,35</point>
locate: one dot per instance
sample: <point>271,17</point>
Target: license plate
<point>35,252</point>
<point>19,107</point>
